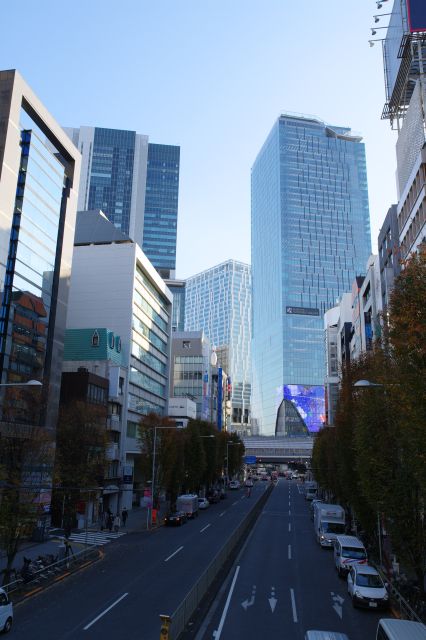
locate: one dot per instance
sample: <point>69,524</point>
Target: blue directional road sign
<point>250,459</point>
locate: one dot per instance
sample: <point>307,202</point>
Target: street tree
<point>81,462</point>
<point>26,458</point>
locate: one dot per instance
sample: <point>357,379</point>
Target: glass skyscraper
<point>161,207</point>
<point>218,301</point>
<point>39,173</point>
<point>310,234</point>
<point>136,184</point>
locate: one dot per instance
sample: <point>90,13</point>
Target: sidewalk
<point>136,523</point>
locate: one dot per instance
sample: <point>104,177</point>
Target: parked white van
<point>348,550</point>
<point>392,629</point>
<point>6,612</point>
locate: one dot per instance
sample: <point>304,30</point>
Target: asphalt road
<point>283,583</point>
<point>142,575</point>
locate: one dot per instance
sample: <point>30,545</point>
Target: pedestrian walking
<point>117,523</point>
<point>124,515</point>
<point>110,522</point>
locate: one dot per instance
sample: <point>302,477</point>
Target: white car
<point>366,587</point>
<point>6,612</point>
<point>203,503</point>
<point>234,484</point>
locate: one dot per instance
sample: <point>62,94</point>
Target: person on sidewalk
<point>124,515</point>
<point>117,523</point>
<point>110,522</point>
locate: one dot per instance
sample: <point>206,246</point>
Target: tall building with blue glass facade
<point>161,207</point>
<point>39,177</point>
<point>218,301</point>
<point>136,184</point>
<point>310,234</point>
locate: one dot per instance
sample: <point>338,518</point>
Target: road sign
<point>250,459</point>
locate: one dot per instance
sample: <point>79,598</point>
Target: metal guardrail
<point>183,613</point>
<point>51,573</point>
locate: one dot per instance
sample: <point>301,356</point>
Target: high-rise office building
<point>136,184</point>
<point>218,301</point>
<point>310,237</point>
<point>39,177</point>
<point>161,208</point>
<point>113,279</point>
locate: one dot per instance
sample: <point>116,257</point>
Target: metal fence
<point>53,572</point>
<point>183,613</point>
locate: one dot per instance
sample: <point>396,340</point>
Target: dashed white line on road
<point>289,551</point>
<point>289,512</point>
<point>104,612</point>
<point>222,514</point>
<point>234,503</point>
<point>228,600</point>
<point>293,605</point>
<point>289,527</point>
<point>173,554</point>
<point>204,528</point>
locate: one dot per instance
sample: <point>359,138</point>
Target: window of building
<point>186,344</point>
<point>95,339</point>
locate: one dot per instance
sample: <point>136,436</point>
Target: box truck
<point>329,522</point>
<point>188,503</point>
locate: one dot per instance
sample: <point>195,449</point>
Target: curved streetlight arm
<point>366,383</point>
<point>30,383</point>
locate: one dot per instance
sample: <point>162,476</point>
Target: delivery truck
<point>188,503</point>
<point>329,522</point>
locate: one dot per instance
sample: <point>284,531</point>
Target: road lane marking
<point>234,503</point>
<point>249,603</point>
<point>173,554</point>
<point>289,551</point>
<point>228,600</point>
<point>104,612</point>
<point>289,527</point>
<point>293,605</point>
<point>222,514</point>
<point>204,528</point>
<point>289,512</point>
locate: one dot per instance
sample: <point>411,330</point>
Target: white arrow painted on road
<point>250,603</point>
<point>338,609</point>
<point>272,600</point>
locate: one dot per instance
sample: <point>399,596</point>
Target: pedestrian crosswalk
<point>98,538</point>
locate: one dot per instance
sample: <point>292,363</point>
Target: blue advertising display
<point>250,459</point>
<point>416,10</point>
<point>309,400</point>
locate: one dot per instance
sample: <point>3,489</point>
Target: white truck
<point>329,522</point>
<point>188,503</point>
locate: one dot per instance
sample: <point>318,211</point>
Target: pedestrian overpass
<point>279,450</point>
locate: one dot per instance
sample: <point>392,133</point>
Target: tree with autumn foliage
<point>26,458</point>
<point>375,457</point>
<point>80,462</point>
<point>185,459</point>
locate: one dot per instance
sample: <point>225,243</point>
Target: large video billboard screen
<point>309,401</point>
<point>416,10</point>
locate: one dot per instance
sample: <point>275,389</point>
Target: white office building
<point>113,284</point>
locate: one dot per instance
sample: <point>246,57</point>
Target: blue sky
<point>212,77</point>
